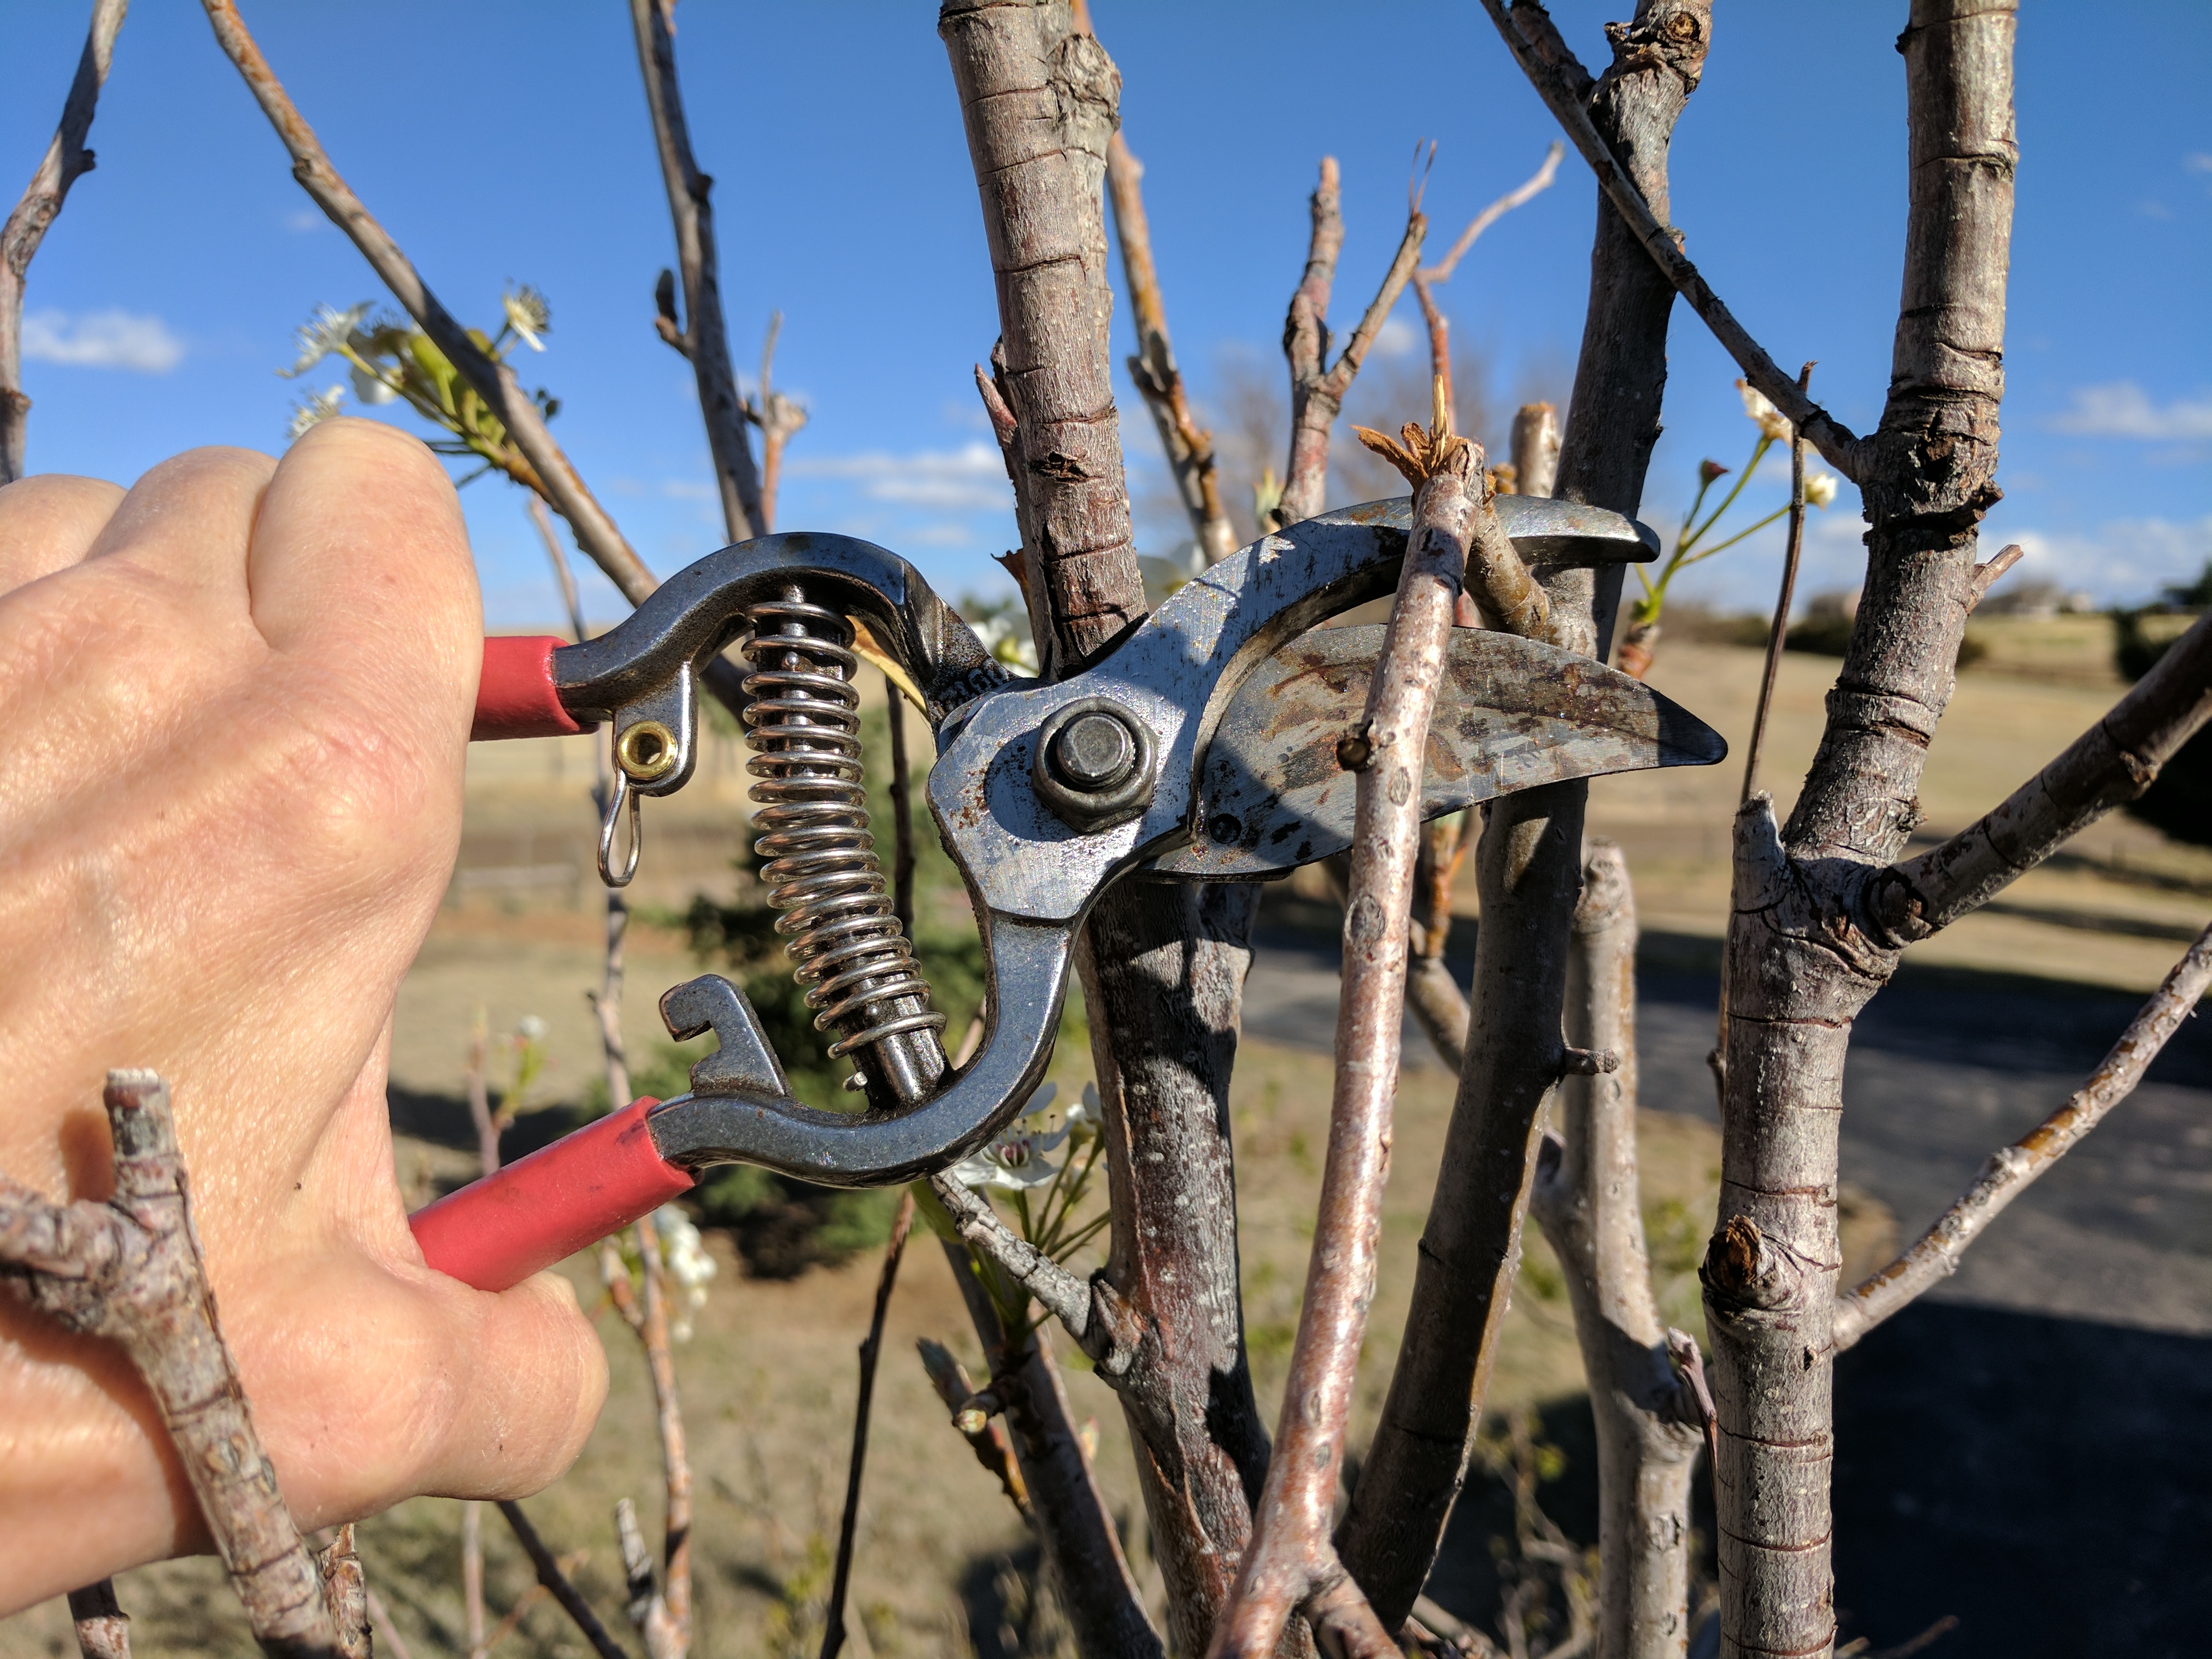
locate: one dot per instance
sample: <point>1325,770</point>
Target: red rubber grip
<point>497,1231</point>
<point>516,697</point>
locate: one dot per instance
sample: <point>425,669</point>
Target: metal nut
<point>646,751</point>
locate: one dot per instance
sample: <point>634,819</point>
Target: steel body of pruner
<point>1220,699</point>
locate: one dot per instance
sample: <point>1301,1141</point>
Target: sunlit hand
<point>233,708</point>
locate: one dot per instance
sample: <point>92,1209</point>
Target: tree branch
<point>983,1433</point>
<point>1290,1559</point>
<point>1528,874</point>
<point>1318,387</point>
<point>705,339</point>
<point>1038,99</point>
<point>130,1270</point>
<point>779,419</point>
<point>832,1623</point>
<point>1587,1197</point>
<point>2015,1168</point>
<point>2107,766</point>
<point>103,1629</point>
<point>557,1582</point>
<point>1520,196</point>
<point>1831,437</point>
<point>65,161</point>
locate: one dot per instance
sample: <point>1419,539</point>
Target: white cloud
<point>2121,561</point>
<point>970,479</point>
<point>102,339</point>
<point>304,219</point>
<point>2123,410</point>
<point>2197,162</point>
<point>1396,338</point>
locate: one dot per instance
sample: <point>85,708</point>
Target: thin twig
<point>1318,388</point>
<point>1520,196</point>
<point>1935,1255</point>
<point>1091,1311</point>
<point>902,811</point>
<point>556,1581</point>
<point>552,475</point>
<point>667,1626</point>
<point>704,337</point>
<point>472,1574</point>
<point>103,1629</point>
<point>984,1433</point>
<point>833,1629</point>
<point>388,1637</point>
<point>1793,549</point>
<point>65,161</point>
<point>778,417</point>
<point>1828,436</point>
<point>1990,570</point>
<point>130,1270</point>
<point>1290,1563</point>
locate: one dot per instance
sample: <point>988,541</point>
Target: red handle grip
<point>516,697</point>
<point>497,1232</point>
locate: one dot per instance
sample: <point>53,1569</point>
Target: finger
<point>385,1385</point>
<point>361,563</point>
<point>185,524</point>
<point>49,523</point>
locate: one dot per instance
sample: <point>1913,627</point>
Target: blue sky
<point>508,141</point>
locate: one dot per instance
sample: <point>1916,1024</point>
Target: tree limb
<point>832,1623</point>
<point>778,417</point>
<point>2013,1170</point>
<point>1093,1312</point>
<point>557,1582</point>
<point>983,1433</point>
<point>65,161</point>
<point>103,1629</point>
<point>1587,1197</point>
<point>130,1270</point>
<point>704,339</point>
<point>1317,386</point>
<point>2107,766</point>
<point>1831,437</point>
<point>1290,1560</point>
<point>1520,196</point>
<point>1528,874</point>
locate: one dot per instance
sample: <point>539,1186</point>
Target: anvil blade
<point>1511,714</point>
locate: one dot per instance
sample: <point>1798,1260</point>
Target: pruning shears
<point>1204,747</point>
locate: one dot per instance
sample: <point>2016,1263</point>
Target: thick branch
<point>2012,1170</point>
<point>65,161</point>
<point>705,339</point>
<point>1832,438</point>
<point>2107,766</point>
<point>1528,873</point>
<point>1587,1200</point>
<point>1290,1557</point>
<point>494,381</point>
<point>1318,387</point>
<point>1038,99</point>
<point>130,1270</point>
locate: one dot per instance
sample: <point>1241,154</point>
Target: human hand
<point>235,702</point>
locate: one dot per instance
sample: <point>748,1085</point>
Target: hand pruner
<point>1202,748</point>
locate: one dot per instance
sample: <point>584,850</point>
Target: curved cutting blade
<point>1511,714</point>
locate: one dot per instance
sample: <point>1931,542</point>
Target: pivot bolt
<point>1094,764</point>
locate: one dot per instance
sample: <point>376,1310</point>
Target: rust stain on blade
<point>1513,715</point>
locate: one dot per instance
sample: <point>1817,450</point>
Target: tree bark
<point>1528,864</point>
<point>1800,967</point>
<point>1587,1200</point>
<point>1039,100</point>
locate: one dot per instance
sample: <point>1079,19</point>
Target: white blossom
<point>324,333</point>
<point>528,314</point>
<point>319,406</point>
<point>531,1028</point>
<point>684,1254</point>
<point>1015,1161</point>
<point>1821,489</point>
<point>1769,418</point>
<point>999,636</point>
<point>1164,575</point>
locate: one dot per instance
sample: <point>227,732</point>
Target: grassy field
<point>768,1376</point>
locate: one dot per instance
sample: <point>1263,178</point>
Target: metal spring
<point>847,947</point>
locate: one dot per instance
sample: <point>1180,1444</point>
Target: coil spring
<point>846,945</point>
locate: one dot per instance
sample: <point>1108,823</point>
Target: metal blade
<point>1511,714</point>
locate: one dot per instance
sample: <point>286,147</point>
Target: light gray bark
<point>1587,1200</point>
<point>65,161</point>
<point>1527,871</point>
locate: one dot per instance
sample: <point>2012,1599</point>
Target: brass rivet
<point>646,751</point>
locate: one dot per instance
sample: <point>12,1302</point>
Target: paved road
<point>2030,1448</point>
